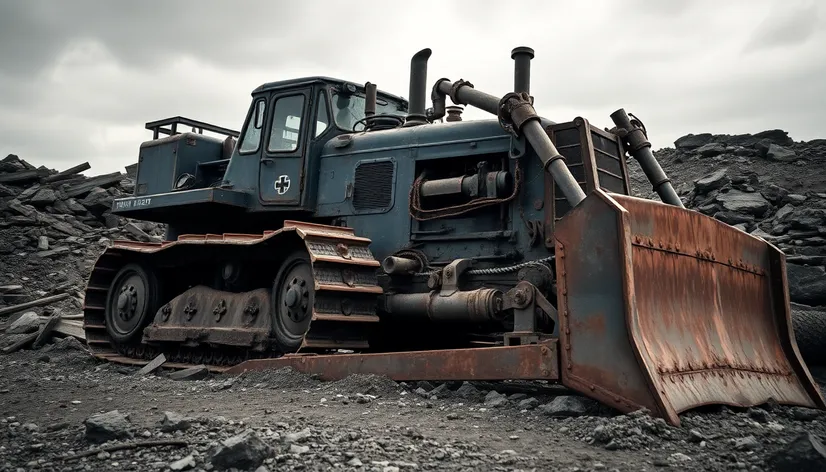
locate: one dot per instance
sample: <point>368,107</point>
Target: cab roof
<point>316,79</point>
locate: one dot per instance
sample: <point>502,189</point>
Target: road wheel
<point>293,297</point>
<point>131,303</point>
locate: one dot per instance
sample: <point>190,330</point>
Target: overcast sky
<point>79,79</point>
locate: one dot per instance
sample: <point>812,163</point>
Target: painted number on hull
<point>282,184</point>
<point>133,203</point>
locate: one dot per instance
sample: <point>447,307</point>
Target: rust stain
<point>669,309</point>
<point>595,324</point>
<point>527,362</point>
<point>706,312</point>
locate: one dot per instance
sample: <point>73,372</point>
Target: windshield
<point>349,108</point>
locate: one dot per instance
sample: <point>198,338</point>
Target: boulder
<point>711,149</point>
<point>807,284</point>
<point>780,153</point>
<point>744,202</point>
<point>691,141</point>
<point>712,181</point>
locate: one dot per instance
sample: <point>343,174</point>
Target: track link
<point>345,293</point>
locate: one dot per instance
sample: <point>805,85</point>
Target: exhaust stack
<point>418,88</point>
<point>522,69</point>
<point>370,91</point>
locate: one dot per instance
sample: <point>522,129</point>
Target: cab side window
<point>286,123</point>
<point>252,135</point>
<point>322,120</point>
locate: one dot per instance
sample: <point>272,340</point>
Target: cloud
<point>787,25</point>
<point>78,80</point>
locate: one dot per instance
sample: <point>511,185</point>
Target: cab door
<point>281,172</point>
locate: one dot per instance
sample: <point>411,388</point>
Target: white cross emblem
<point>282,184</point>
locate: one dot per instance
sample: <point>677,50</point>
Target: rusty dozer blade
<point>668,309</point>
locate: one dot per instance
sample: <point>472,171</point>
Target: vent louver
<point>373,185</point>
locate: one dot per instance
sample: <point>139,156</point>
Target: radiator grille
<point>373,185</point>
<point>609,164</point>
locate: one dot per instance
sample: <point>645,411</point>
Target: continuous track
<point>218,328</point>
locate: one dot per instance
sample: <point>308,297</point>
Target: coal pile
<point>53,226</point>
<point>770,186</point>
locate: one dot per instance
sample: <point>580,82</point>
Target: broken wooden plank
<point>23,176</point>
<point>62,287</point>
<point>10,288</point>
<point>132,170</point>
<point>18,220</point>
<point>73,328</point>
<point>68,173</point>
<point>138,233</point>
<point>39,302</point>
<point>152,365</point>
<point>46,331</point>
<point>53,252</point>
<point>103,181</point>
<point>199,372</point>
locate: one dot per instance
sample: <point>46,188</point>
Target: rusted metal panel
<point>318,230</point>
<point>596,356</point>
<point>720,333</point>
<point>203,314</point>
<point>325,250</point>
<point>592,155</point>
<point>344,278</point>
<point>529,362</point>
<point>668,309</point>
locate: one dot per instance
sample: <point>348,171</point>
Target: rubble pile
<point>794,221</point>
<point>767,185</point>
<point>54,224</point>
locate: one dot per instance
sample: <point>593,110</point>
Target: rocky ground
<point>59,404</point>
<point>62,410</point>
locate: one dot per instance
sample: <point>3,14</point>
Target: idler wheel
<point>131,303</point>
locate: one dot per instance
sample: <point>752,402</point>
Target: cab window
<point>252,135</point>
<point>322,120</point>
<point>286,124</point>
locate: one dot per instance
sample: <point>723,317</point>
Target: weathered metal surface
<point>634,136</point>
<point>530,362</point>
<point>668,309</point>
<point>596,159</point>
<point>343,278</point>
<point>205,315</point>
<point>469,306</point>
<point>157,127</point>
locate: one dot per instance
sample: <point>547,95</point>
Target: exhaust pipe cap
<point>522,50</point>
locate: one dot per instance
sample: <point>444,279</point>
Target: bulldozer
<point>348,230</point>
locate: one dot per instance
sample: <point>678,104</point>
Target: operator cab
<point>291,120</point>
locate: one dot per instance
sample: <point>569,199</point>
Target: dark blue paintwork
<point>314,181</point>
